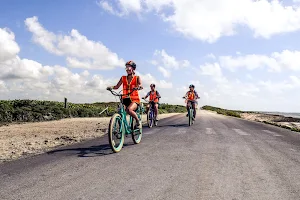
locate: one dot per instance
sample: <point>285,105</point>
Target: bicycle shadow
<point>92,151</point>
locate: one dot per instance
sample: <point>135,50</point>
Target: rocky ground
<point>277,119</point>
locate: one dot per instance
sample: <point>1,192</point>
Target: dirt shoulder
<point>20,140</point>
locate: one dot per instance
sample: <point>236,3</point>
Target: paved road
<point>217,158</point>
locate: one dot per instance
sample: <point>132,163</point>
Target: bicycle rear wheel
<point>116,133</point>
<point>150,118</point>
<point>136,134</point>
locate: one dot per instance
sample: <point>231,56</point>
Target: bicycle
<point>125,128</point>
<point>190,111</point>
<point>151,114</point>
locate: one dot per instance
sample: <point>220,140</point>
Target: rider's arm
<point>158,95</point>
<point>139,82</point>
<point>147,95</point>
<point>196,94</point>
<point>118,85</point>
<point>186,94</point>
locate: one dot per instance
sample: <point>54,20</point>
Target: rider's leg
<point>187,108</point>
<point>131,111</point>
<point>156,111</point>
<point>194,107</point>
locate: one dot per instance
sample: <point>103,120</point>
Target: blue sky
<point>241,54</point>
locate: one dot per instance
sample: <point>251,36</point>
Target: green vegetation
<point>234,113</point>
<point>34,111</point>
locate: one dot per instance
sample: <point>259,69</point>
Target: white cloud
<point>25,78</point>
<point>163,58</point>
<point>250,62</point>
<point>80,51</point>
<point>12,66</point>
<point>3,86</point>
<point>214,70</point>
<point>208,20</point>
<point>212,56</point>
<point>107,7</point>
<point>166,73</point>
<point>211,69</point>
<point>277,87</point>
<point>8,47</point>
<point>125,7</point>
<point>148,79</point>
<point>276,62</point>
<point>295,80</point>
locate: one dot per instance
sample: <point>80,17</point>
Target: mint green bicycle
<point>119,127</point>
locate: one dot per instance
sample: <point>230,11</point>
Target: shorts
<point>127,102</point>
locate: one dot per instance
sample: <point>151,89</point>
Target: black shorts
<point>127,102</point>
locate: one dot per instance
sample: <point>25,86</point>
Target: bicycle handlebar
<point>120,95</point>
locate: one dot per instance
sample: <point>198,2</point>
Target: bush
<point>33,110</point>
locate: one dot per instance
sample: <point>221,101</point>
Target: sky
<point>239,54</point>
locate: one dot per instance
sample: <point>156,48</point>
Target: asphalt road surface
<point>218,157</point>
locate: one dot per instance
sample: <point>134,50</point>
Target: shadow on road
<point>173,125</point>
<point>92,151</point>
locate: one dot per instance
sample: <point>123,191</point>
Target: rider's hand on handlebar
<point>109,88</point>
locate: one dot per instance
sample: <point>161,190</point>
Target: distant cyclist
<point>191,96</point>
<point>130,82</point>
<point>154,98</point>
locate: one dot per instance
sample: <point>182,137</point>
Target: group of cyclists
<point>131,100</point>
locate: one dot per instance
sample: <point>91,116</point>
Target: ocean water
<point>294,115</point>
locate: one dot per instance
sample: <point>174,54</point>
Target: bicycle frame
<point>125,123</point>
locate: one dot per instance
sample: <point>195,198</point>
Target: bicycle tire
<point>150,119</point>
<point>115,119</point>
<point>134,132</point>
<point>190,117</point>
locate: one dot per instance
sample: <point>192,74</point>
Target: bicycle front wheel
<point>116,133</point>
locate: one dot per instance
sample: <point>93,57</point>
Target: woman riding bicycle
<point>191,97</point>
<point>154,99</point>
<point>131,84</point>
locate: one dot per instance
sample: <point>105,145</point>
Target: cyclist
<point>130,82</point>
<point>191,96</point>
<point>154,98</point>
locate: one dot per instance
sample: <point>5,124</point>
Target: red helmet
<point>131,63</point>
